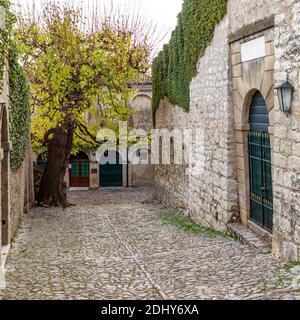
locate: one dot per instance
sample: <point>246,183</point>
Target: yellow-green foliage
<point>176,65</point>
<point>7,19</point>
<point>76,76</point>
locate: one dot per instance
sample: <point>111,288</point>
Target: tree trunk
<point>52,189</point>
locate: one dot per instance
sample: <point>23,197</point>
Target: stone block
<point>234,86</point>
<point>293,163</point>
<point>289,251</point>
<point>278,176</point>
<point>269,63</point>
<point>241,176</point>
<point>237,70</point>
<point>294,181</point>
<point>281,132</point>
<point>240,163</point>
<point>297,235</point>
<point>270,48</point>
<point>235,59</point>
<point>277,246</point>
<point>293,135</point>
<point>296,149</point>
<point>279,160</point>
<point>243,190</point>
<point>285,226</point>
<point>243,88</point>
<point>269,35</point>
<point>238,136</point>
<point>285,147</point>
<point>244,217</point>
<point>255,72</point>
<point>235,47</point>
<point>243,203</point>
<point>239,150</point>
<point>267,84</point>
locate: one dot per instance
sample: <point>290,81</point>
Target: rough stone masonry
<point>221,95</point>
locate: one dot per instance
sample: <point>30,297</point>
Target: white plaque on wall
<point>253,49</point>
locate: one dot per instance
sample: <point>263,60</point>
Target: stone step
<point>250,238</point>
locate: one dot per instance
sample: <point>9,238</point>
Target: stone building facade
<point>17,191</point>
<point>95,176</point>
<point>254,48</point>
<point>286,155</point>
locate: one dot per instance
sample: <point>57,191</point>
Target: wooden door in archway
<point>79,171</point>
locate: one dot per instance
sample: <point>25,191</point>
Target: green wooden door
<point>80,173</point>
<point>261,191</point>
<point>111,175</point>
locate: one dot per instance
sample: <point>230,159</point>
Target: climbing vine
<point>176,65</point>
<point>7,20</point>
<point>19,109</point>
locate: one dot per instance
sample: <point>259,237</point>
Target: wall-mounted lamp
<point>285,96</point>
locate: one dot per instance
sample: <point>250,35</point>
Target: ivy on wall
<point>19,108</point>
<point>176,65</point>
<point>7,20</point>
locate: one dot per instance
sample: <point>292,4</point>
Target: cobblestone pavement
<point>115,244</point>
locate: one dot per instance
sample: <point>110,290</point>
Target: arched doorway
<point>79,171</point>
<point>5,149</point>
<point>260,164</point>
<point>111,175</point>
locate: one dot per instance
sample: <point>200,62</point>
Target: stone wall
<point>243,13</point>
<point>171,181</point>
<point>21,192</point>
<point>141,175</point>
<point>220,107</point>
<point>17,188</point>
<point>213,190</point>
<point>209,187</point>
<point>287,134</point>
<point>218,191</point>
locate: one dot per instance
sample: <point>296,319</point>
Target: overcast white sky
<point>162,12</point>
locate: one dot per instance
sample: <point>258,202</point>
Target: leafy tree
<point>77,71</point>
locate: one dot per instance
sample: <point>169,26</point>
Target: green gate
<point>111,175</point>
<point>261,191</point>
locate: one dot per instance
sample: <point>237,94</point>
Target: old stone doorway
<point>260,164</point>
